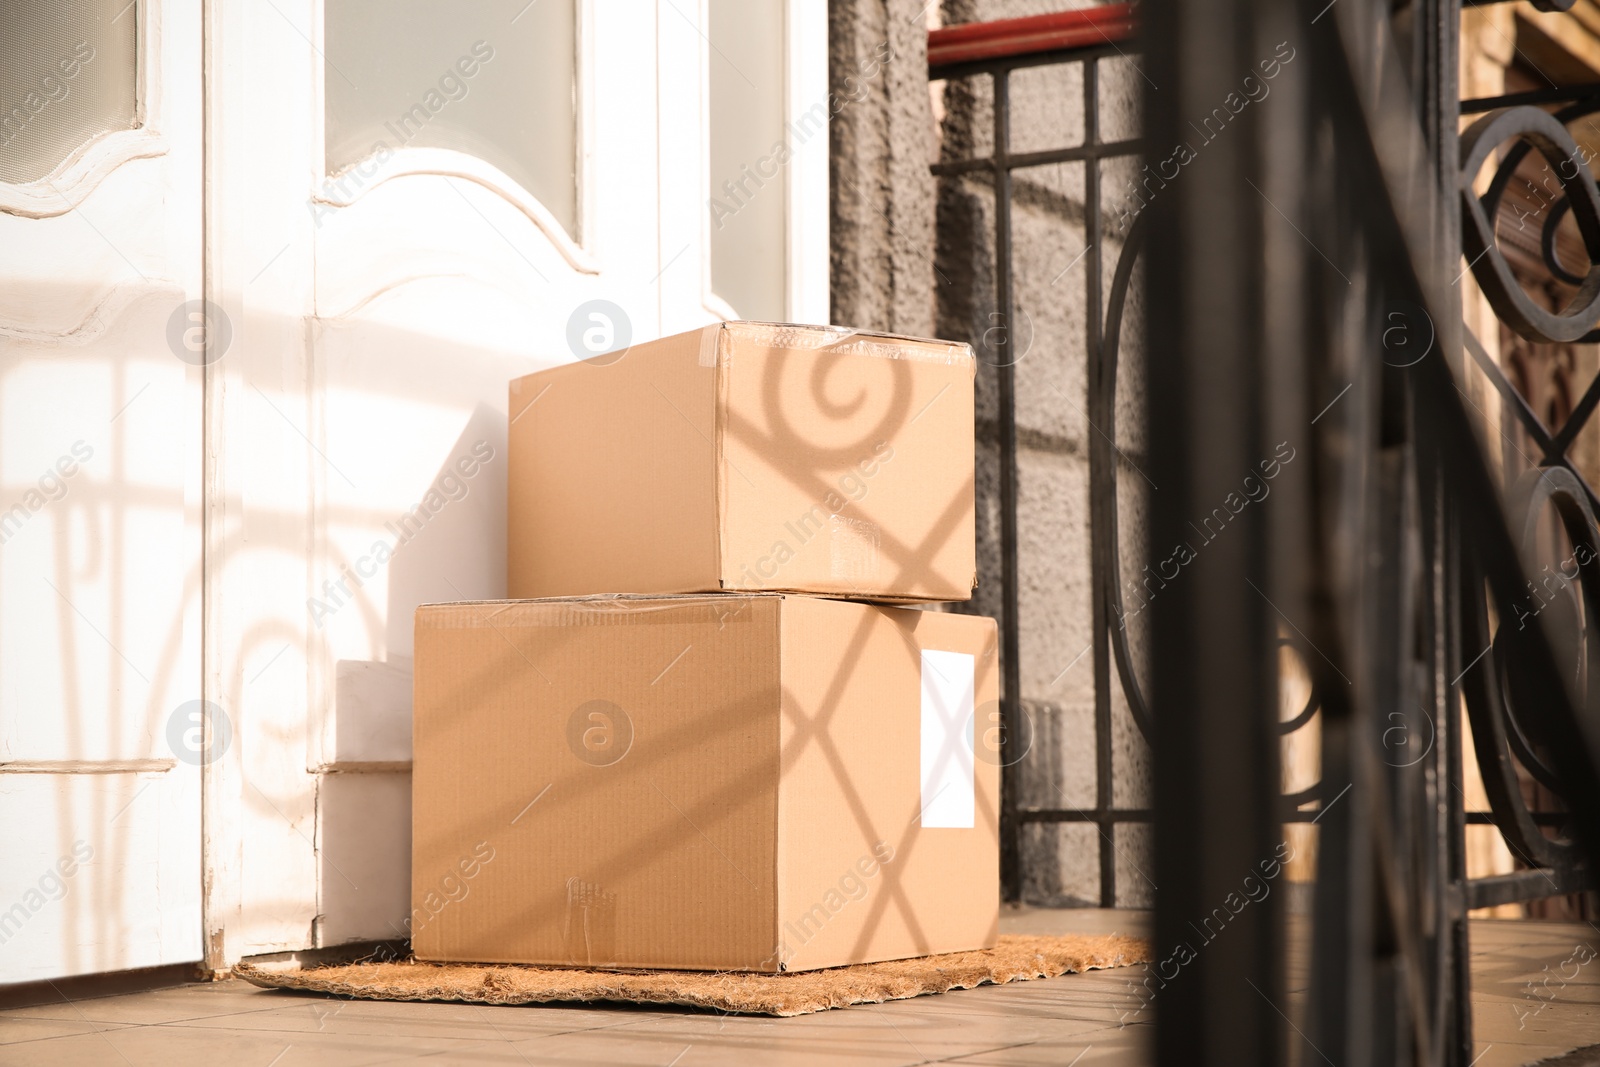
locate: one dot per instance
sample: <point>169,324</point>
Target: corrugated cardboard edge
<point>1015,958</point>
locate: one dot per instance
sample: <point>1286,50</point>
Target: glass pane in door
<point>67,75</point>
<point>494,79</point>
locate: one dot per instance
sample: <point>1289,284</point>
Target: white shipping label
<point>948,792</point>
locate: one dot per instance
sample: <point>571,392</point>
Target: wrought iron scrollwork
<point>1544,133</point>
<point>1511,726</point>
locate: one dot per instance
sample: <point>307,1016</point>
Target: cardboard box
<point>747,456</point>
<point>725,782</point>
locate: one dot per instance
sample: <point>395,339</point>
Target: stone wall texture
<point>881,140</point>
<point>916,255</point>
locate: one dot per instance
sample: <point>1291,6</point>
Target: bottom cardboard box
<point>727,782</point>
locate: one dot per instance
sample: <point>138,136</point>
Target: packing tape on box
<point>621,608</point>
<point>853,549</point>
<point>590,933</point>
<point>710,339</point>
<point>841,339</point>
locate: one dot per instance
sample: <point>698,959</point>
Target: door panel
<point>437,281</point>
<point>101,734</point>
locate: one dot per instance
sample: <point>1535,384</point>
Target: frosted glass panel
<point>749,150</point>
<point>67,74</point>
<point>491,78</point>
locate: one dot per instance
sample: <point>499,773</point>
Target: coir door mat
<point>1014,959</point>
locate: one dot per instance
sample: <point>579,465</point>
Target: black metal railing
<point>1308,269</point>
<point>1303,266</point>
<point>993,52</point>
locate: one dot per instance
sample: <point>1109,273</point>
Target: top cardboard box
<point>750,457</point>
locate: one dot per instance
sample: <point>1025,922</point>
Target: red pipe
<point>1106,24</point>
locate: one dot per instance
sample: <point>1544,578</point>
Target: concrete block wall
<point>880,142</point>
<point>916,255</point>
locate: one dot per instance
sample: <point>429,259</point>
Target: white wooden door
<point>102,340</point>
<point>410,204</point>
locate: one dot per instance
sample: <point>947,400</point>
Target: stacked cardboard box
<point>701,737</point>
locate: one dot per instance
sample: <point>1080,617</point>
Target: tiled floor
<point>1025,1023</point>
<point>1536,989</point>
